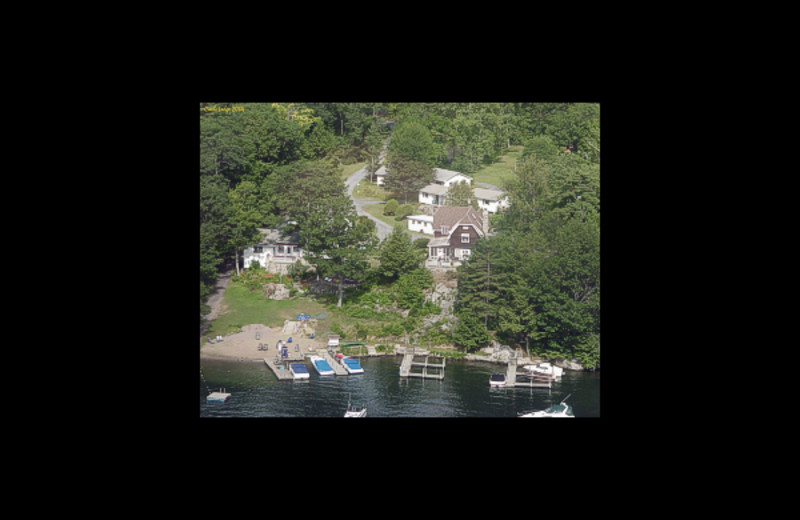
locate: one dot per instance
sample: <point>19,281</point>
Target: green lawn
<point>243,307</point>
<point>501,170</point>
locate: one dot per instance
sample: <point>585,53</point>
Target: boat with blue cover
<point>299,370</point>
<point>322,367</point>
<point>350,364</point>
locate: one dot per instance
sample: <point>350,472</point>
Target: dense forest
<point>534,282</point>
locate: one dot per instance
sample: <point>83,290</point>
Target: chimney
<point>485,222</point>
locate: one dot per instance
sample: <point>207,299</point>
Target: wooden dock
<point>408,362</point>
<point>338,369</point>
<point>281,370</point>
<point>513,381</point>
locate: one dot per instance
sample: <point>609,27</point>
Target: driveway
<point>383,229</point>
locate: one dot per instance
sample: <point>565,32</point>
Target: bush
<point>390,207</point>
<point>404,211</point>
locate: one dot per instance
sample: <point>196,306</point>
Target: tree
<point>460,194</point>
<point>398,255</point>
<point>528,193</point>
<point>215,228</point>
<point>470,333</point>
<point>313,194</point>
<point>410,159</point>
<point>477,282</point>
<point>248,213</point>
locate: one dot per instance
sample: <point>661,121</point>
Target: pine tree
<point>398,255</point>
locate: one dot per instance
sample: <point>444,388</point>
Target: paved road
<point>384,229</point>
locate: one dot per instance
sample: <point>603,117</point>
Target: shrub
<point>390,207</point>
<point>404,211</point>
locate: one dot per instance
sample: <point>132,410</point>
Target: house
<point>455,231</point>
<point>380,174</point>
<point>433,194</point>
<point>490,200</point>
<point>276,252</point>
<point>436,192</point>
<point>448,177</point>
<point>420,223</point>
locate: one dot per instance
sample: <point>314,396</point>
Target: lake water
<point>464,392</point>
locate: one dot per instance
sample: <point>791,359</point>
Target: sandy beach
<point>244,345</point>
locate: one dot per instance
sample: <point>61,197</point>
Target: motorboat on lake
<point>544,369</point>
<point>322,367</point>
<point>556,410</point>
<point>497,380</point>
<point>299,370</point>
<point>354,410</point>
<point>350,364</point>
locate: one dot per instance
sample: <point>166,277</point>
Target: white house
<point>420,223</point>
<point>442,179</point>
<point>433,194</point>
<point>276,252</point>
<point>379,174</point>
<point>490,200</point>
<point>448,177</point>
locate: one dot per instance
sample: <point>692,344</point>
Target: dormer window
<point>445,229</point>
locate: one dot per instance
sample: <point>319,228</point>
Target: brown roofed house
<point>455,230</point>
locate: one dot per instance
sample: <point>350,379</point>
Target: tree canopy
<point>535,282</point>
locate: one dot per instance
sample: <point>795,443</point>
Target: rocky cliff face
<point>443,296</point>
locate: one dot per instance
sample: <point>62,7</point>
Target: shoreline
<point>243,347</point>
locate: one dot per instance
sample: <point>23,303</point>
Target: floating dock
<point>217,397</point>
<point>408,363</point>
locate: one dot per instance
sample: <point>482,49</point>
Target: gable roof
<point>435,189</point>
<point>454,216</point>
<point>442,175</point>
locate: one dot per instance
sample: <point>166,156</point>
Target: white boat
<point>299,370</point>
<point>322,367</point>
<point>556,410</point>
<point>350,364</point>
<point>355,410</point>
<point>545,369</point>
<point>497,380</point>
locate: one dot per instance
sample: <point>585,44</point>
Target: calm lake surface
<point>464,392</point>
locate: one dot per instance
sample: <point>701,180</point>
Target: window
<point>258,249</point>
<point>280,250</point>
<point>465,238</point>
<point>445,229</point>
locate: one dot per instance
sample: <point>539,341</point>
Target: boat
<point>299,370</point>
<point>322,366</point>
<point>545,369</point>
<point>350,364</point>
<point>354,410</point>
<point>556,410</point>
<point>497,380</point>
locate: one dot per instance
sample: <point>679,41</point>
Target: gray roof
<point>435,189</point>
<point>483,193</point>
<point>442,175</point>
